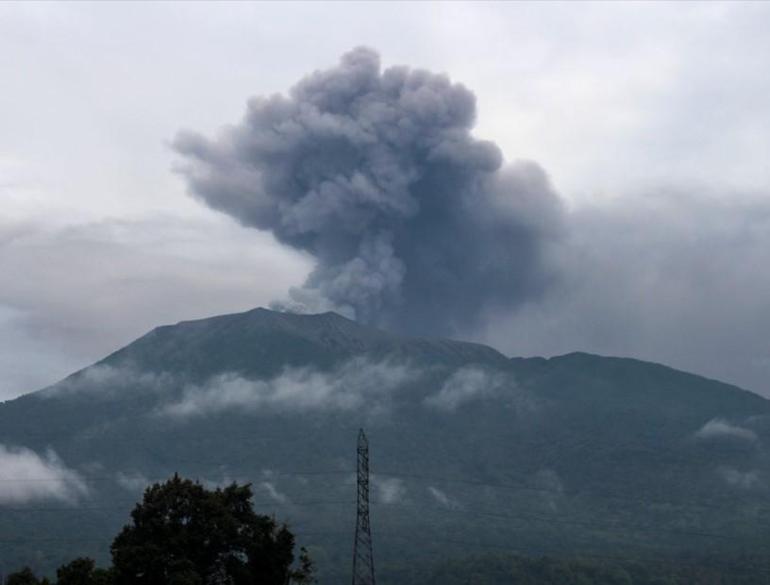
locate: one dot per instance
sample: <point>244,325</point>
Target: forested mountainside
<point>471,452</point>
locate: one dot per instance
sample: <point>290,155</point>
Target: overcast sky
<point>651,120</point>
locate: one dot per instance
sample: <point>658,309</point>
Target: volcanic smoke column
<point>413,223</point>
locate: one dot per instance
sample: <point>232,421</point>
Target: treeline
<point>486,570</point>
<point>184,534</point>
<point>519,570</point>
<point>81,571</point>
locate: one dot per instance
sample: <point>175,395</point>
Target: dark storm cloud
<point>412,222</point>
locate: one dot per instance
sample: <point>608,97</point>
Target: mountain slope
<point>260,342</point>
<point>470,449</point>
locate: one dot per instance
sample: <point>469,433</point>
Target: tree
<point>23,577</point>
<point>184,534</point>
<point>82,571</point>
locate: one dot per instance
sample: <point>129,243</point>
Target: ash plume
<point>413,223</point>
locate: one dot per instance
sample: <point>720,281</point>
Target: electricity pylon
<point>363,559</point>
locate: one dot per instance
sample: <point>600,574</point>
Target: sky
<point>648,121</point>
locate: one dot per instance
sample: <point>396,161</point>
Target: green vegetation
<point>183,534</point>
<point>518,570</point>
<point>573,456</point>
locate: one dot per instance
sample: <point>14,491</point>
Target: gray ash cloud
<point>413,222</point>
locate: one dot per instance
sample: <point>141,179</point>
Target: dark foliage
<point>520,570</point>
<point>83,571</point>
<point>184,533</point>
<point>24,577</point>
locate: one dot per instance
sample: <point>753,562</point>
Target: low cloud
<point>357,383</point>
<point>721,429</point>
<point>26,476</point>
<point>132,482</point>
<point>389,489</point>
<point>269,488</point>
<point>106,380</point>
<point>739,479</point>
<point>443,498</point>
<point>468,384</point>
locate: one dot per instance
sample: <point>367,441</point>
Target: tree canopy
<point>184,534</point>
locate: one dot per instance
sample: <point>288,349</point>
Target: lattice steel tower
<point>363,559</point>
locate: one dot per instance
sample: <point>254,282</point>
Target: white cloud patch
<point>443,498</point>
<point>389,489</point>
<point>272,491</point>
<point>719,428</point>
<point>132,482</point>
<point>739,479</point>
<point>213,484</point>
<point>104,379</point>
<point>355,384</point>
<point>468,384</point>
<point>26,476</point>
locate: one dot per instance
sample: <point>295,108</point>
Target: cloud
<point>442,498</point>
<point>471,383</point>
<point>273,492</point>
<point>464,385</point>
<point>132,482</point>
<point>106,380</point>
<point>563,84</point>
<point>719,428</point>
<point>740,479</point>
<point>411,221</point>
<point>357,383</point>
<point>26,476</point>
<point>663,278</point>
<point>670,276</point>
<point>389,489</point>
<point>64,282</point>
